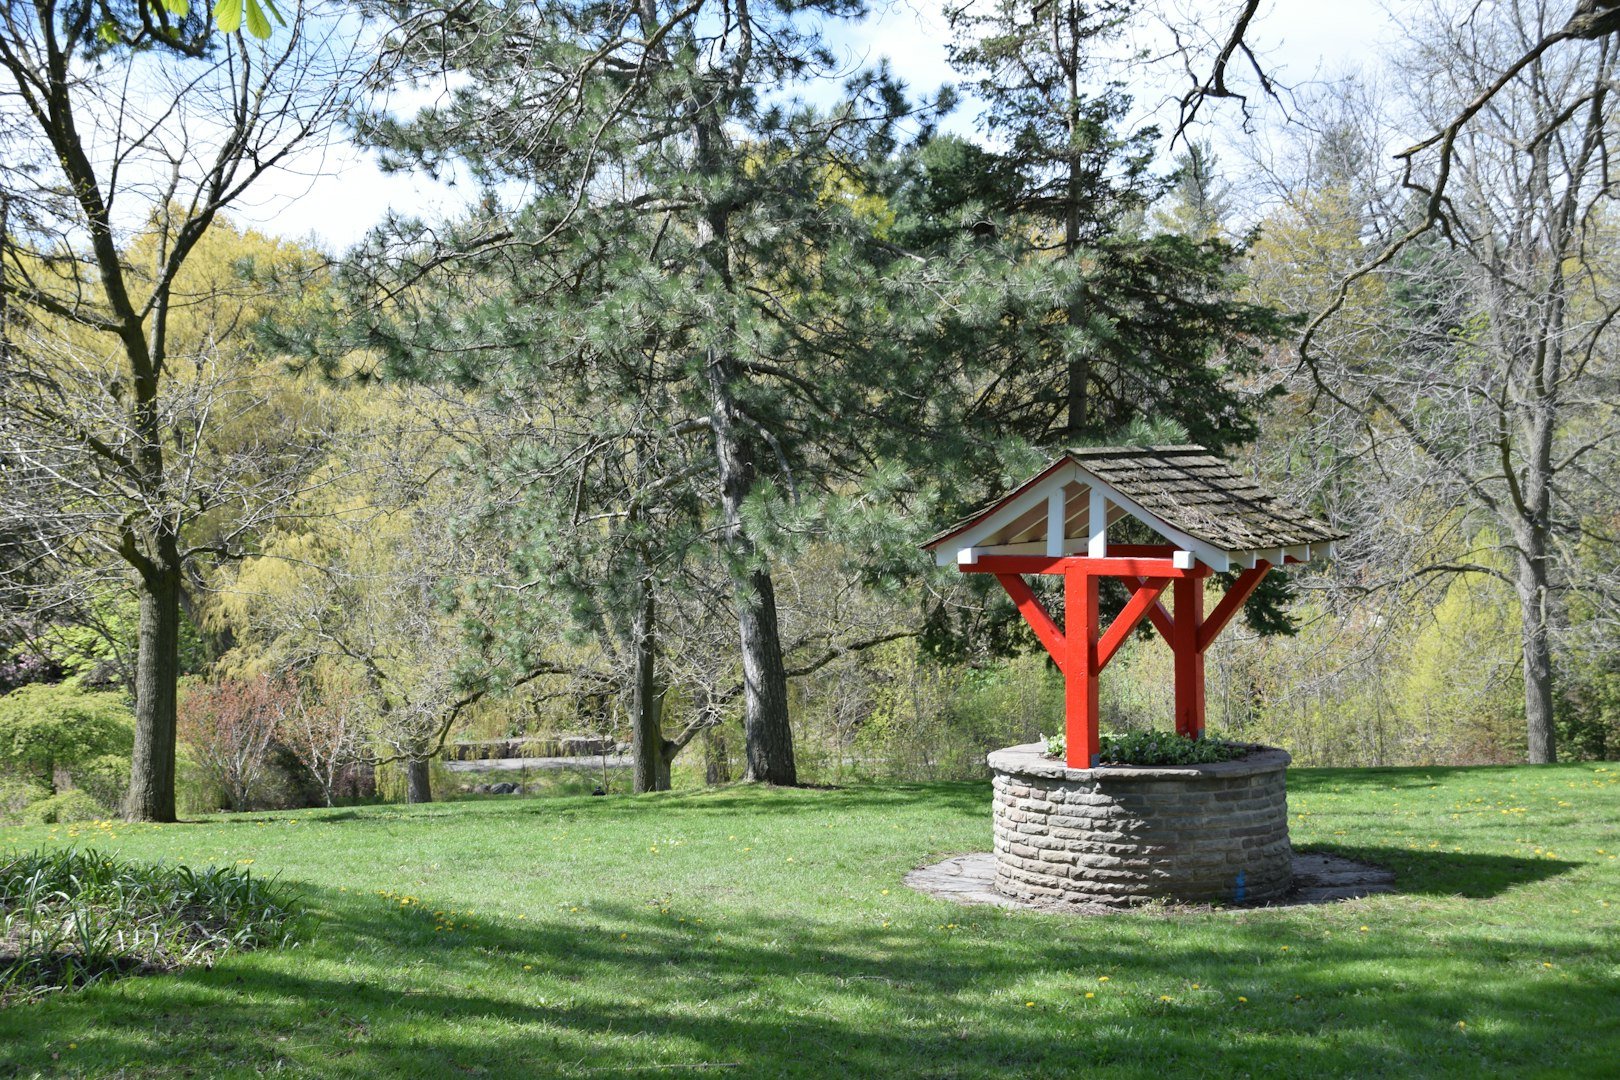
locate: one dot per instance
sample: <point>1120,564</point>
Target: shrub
<point>195,790</point>
<point>45,727</point>
<point>1158,748</point>
<point>17,793</point>
<point>71,918</point>
<point>231,726</point>
<point>105,778</point>
<point>63,809</point>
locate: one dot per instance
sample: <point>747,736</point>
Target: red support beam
<point>1081,650</point>
<point>1045,627</point>
<point>1141,604</point>
<point>1082,743</point>
<point>1235,598</point>
<point>1156,613</point>
<point>1189,658</point>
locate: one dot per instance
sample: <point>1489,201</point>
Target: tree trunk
<point>767,735</point>
<point>716,757</point>
<point>157,668</point>
<point>1530,581</point>
<point>1078,401</point>
<point>646,703</point>
<point>766,731</point>
<point>418,781</point>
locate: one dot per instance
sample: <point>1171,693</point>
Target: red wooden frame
<point>1081,649</point>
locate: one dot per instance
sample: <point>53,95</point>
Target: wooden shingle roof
<point>1185,493</point>
<point>1196,492</point>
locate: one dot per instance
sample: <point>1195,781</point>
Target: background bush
<point>65,808</point>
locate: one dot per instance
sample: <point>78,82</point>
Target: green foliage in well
<point>1150,747</point>
<point>64,808</point>
<point>44,727</point>
<point>71,918</point>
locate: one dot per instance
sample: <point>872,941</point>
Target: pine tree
<point>680,296</point>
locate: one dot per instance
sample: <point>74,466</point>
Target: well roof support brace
<point>1081,649</point>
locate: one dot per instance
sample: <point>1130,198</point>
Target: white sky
<point>334,198</point>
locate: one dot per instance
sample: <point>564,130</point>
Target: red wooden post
<point>1082,744</point>
<point>1189,658</point>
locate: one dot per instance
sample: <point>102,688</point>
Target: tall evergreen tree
<point>1143,328</point>
<point>686,266</point>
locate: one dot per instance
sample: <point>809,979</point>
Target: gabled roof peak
<point>1185,493</point>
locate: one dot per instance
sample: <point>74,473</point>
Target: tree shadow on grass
<point>1450,873</point>
<point>626,986</point>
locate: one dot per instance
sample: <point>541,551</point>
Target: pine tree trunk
<point>1079,367</point>
<point>418,781</point>
<point>157,670</point>
<point>647,749</point>
<point>767,735</point>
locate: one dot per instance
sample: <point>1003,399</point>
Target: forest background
<point>638,441</point>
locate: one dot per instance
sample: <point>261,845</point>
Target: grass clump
<point>70,918</point>
<point>1157,748</point>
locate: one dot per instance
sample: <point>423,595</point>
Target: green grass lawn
<point>759,932</point>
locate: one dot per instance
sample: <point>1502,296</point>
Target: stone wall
<point>1122,835</point>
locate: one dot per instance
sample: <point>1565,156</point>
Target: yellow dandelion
<point>1089,994</point>
<point>1102,978</point>
<point>1243,999</point>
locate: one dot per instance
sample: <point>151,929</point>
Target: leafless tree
<point>105,427</point>
<point>1473,369</point>
<point>327,734</point>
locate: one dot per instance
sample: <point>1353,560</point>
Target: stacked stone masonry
<point>1123,835</point>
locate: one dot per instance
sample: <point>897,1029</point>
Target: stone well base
<point>1123,835</point>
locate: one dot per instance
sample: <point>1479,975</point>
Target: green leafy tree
<point>1125,327</point>
<point>50,729</point>
<point>106,410</point>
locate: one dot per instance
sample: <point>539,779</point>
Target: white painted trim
<point>1183,560</point>
<point>1074,545</point>
<point>1056,528</point>
<point>967,556</point>
<point>1097,525</point>
<point>1015,509</point>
